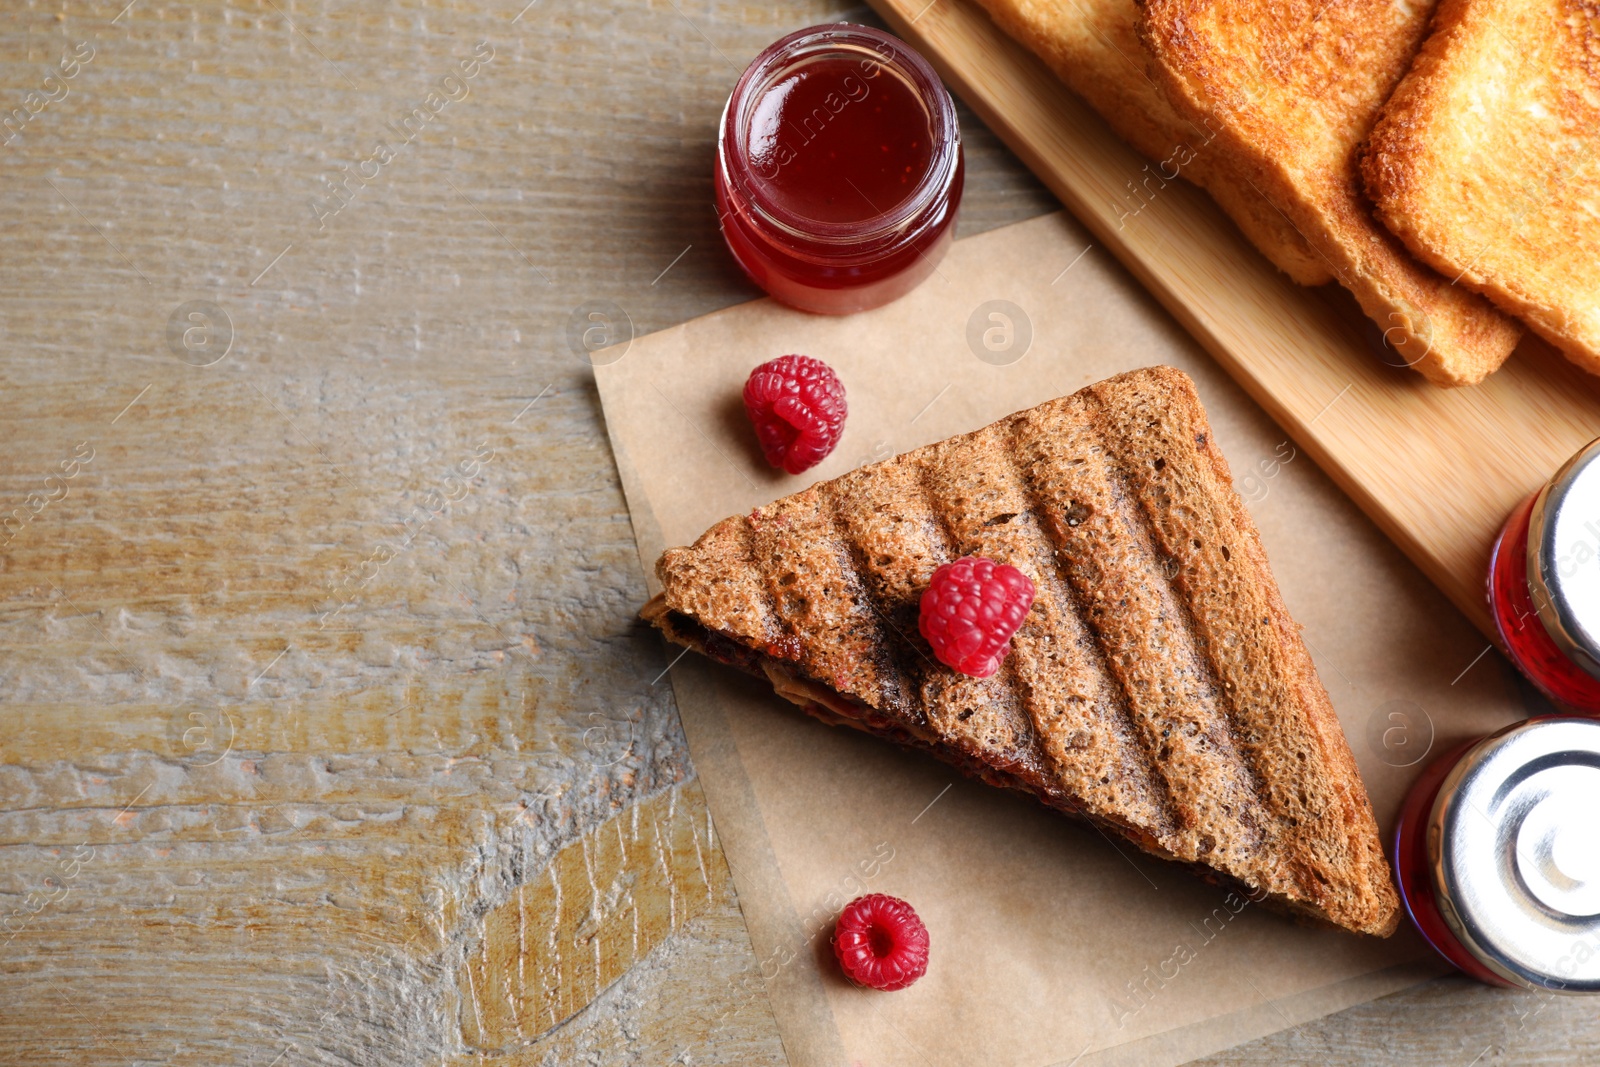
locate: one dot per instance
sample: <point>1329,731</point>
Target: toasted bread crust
<point>1486,158</point>
<point>1293,89</point>
<point>1158,686</point>
<point>1093,47</point>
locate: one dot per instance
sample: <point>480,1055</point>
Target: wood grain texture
<point>601,905</point>
<point>323,657</point>
<point>1447,1021</point>
<point>275,743</point>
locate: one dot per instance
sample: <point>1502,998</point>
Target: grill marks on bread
<point>720,580</point>
<point>1158,686</point>
<point>1248,639</point>
<point>1137,616</point>
<point>1055,666</point>
<point>901,542</point>
<point>817,597</point>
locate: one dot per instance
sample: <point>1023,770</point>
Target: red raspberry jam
<point>839,169</point>
<point>1517,620</point>
<point>1544,584</point>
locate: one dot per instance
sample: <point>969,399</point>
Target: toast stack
<point>1093,46</point>
<point>1158,687</point>
<point>1292,90</point>
<point>1486,161</point>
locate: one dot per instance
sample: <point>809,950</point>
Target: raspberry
<point>970,610</point>
<point>880,942</point>
<point>797,406</point>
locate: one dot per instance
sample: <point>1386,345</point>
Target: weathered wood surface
<point>326,733</point>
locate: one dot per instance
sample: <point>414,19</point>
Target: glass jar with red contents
<point>1497,853</point>
<point>839,169</point>
<point>1544,584</point>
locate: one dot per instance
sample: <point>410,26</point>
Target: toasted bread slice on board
<point>1093,47</point>
<point>1292,89</point>
<point>1158,687</point>
<point>1486,161</point>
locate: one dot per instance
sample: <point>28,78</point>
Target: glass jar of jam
<point>1544,584</point>
<point>839,169</point>
<point>1497,853</point>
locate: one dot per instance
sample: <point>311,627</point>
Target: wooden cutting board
<point>1437,469</point>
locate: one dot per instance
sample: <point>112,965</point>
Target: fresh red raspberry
<point>797,406</point>
<point>970,610</point>
<point>880,942</point>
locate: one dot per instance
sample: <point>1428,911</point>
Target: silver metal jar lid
<point>1564,558</point>
<point>1514,843</point>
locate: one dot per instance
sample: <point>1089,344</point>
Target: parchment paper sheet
<point>1050,944</point>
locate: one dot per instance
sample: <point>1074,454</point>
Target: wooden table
<point>328,732</point>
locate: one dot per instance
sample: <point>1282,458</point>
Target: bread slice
<point>1292,89</point>
<point>1158,688</point>
<point>1487,157</point>
<point>1093,47</point>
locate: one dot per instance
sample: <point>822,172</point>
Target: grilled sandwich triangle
<point>1158,688</point>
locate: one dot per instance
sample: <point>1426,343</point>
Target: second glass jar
<point>1544,584</point>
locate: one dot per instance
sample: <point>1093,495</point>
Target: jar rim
<point>886,228</point>
<point>1563,540</point>
<point>1503,792</point>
